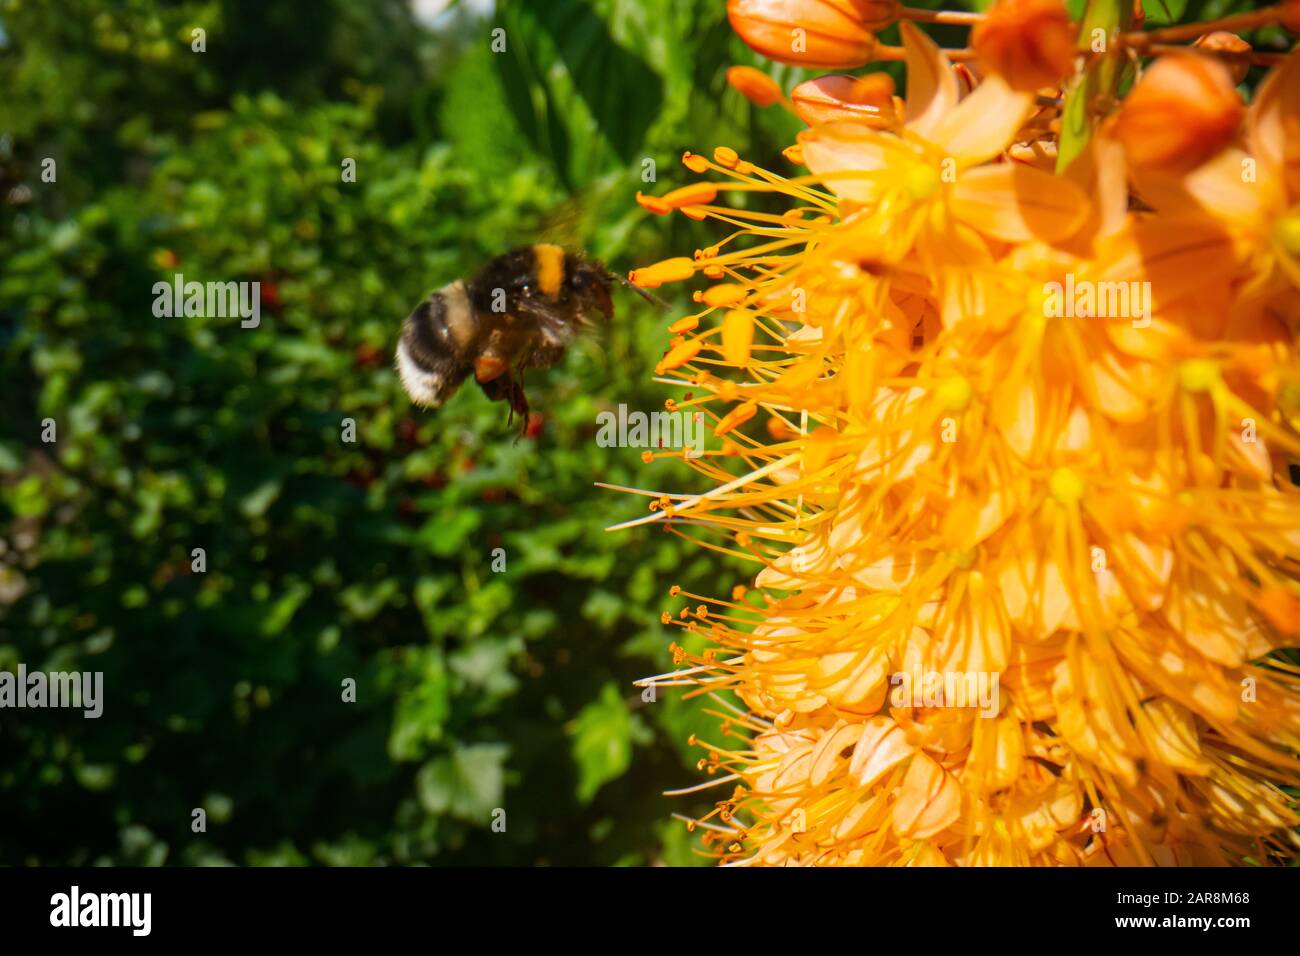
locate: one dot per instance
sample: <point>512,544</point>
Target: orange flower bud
<point>1221,41</point>
<point>841,98</point>
<point>825,34</point>
<point>754,85</point>
<point>1183,111</point>
<point>1029,43</point>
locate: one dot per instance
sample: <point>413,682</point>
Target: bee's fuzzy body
<point>520,311</point>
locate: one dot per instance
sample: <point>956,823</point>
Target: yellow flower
<point>935,180</point>
<point>1013,471</point>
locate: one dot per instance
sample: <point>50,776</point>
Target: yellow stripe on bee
<point>550,268</point>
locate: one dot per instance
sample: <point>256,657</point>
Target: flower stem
<point>1190,31</point>
<point>885,54</point>
<point>1232,56</point>
<point>940,16</point>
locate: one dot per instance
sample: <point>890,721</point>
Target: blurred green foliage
<point>328,560</point>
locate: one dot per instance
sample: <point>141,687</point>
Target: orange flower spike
<point>736,417</point>
<point>754,85</point>
<point>823,34</point>
<point>670,270</point>
<point>1029,43</point>
<point>738,337</point>
<point>1183,111</point>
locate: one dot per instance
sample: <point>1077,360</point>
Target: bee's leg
<point>506,388</point>
<point>518,402</point>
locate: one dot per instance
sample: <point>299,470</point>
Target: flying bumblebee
<point>521,311</point>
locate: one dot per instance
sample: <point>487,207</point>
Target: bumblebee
<point>519,312</point>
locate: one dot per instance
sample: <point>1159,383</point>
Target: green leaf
<point>1163,12</point>
<point>421,713</point>
<point>583,99</point>
<point>603,734</point>
<point>468,783</point>
<point>283,608</point>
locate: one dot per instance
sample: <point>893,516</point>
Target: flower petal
<point>928,801</point>
<point>931,84</point>
<point>1274,123</point>
<point>852,159</point>
<point>1017,203</point>
<point>984,124</point>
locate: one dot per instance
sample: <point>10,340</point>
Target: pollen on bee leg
<point>488,367</point>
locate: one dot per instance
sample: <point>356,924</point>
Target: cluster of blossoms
<point>1007,385</point>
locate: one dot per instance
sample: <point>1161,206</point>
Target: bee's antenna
<point>648,296</point>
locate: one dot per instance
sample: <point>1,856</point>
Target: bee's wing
<point>551,329</point>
